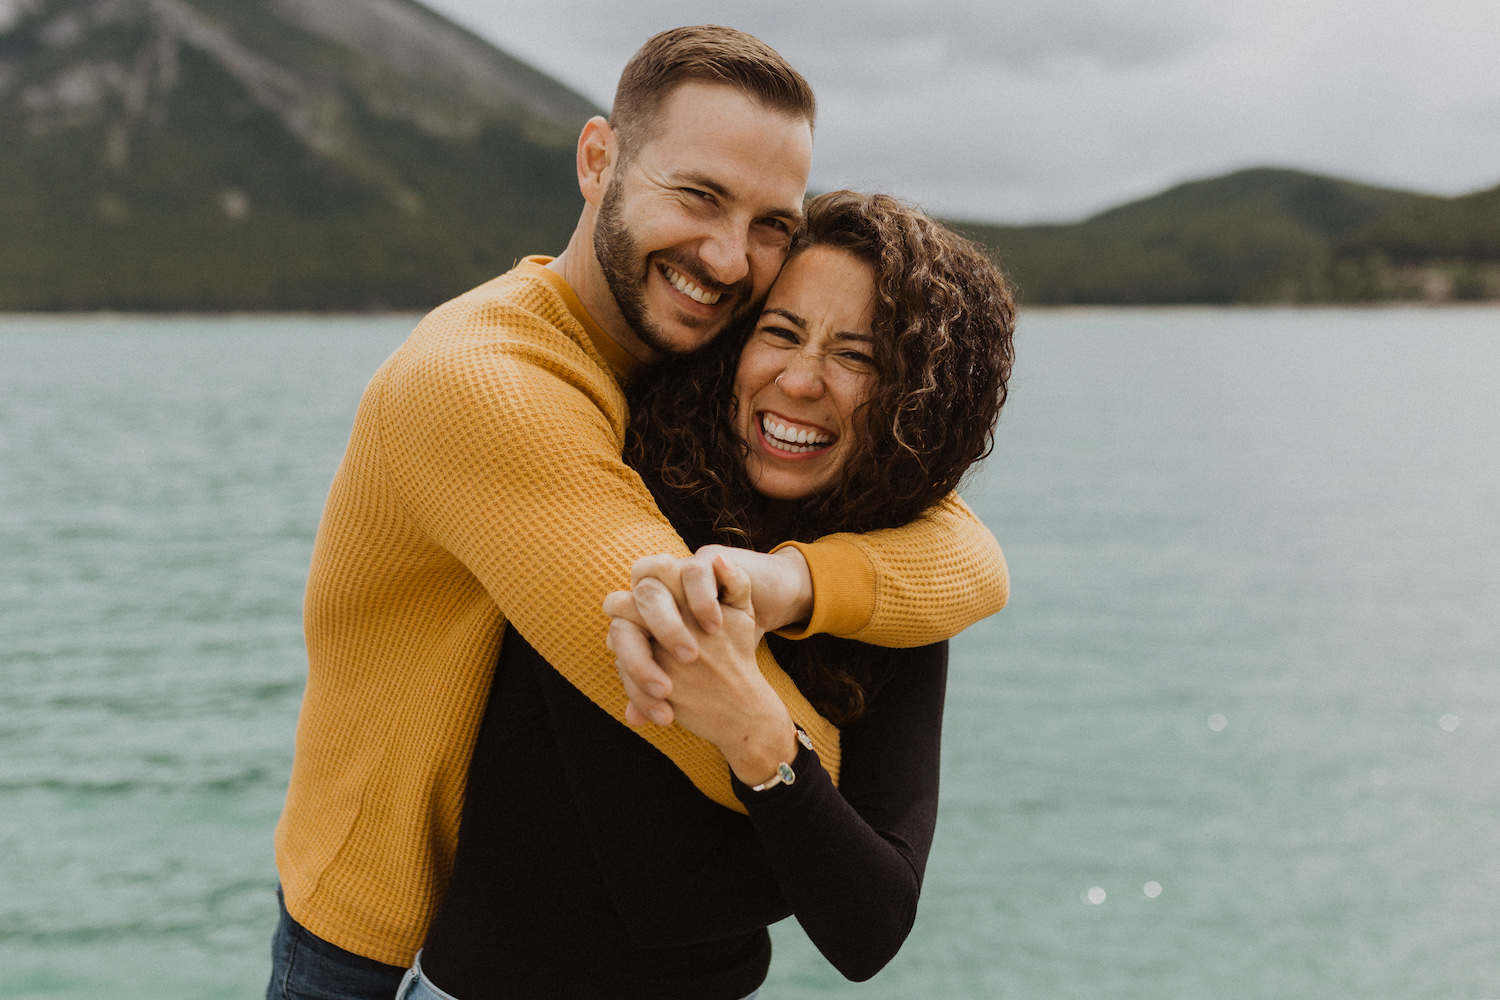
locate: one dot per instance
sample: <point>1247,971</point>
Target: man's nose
<point>726,252</point>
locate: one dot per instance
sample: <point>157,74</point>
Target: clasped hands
<point>684,638</point>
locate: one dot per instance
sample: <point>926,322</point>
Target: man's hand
<point>782,584</point>
<point>663,586</point>
<point>721,695</point>
<point>781,581</point>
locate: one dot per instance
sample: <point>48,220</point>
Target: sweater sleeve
<point>909,586</point>
<point>506,454</point>
<point>850,861</point>
<point>849,865</point>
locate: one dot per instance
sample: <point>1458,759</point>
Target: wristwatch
<point>784,774</point>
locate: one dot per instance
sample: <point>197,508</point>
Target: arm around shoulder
<point>505,452</point>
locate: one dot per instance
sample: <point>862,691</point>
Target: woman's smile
<point>792,439</point>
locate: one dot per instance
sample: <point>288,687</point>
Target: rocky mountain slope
<point>286,154</point>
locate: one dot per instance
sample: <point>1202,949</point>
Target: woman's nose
<point>802,379</point>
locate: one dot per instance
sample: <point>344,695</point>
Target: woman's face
<point>804,371</point>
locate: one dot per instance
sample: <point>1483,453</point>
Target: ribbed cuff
<point>843,588</point>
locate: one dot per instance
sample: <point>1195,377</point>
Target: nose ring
<point>779,378</point>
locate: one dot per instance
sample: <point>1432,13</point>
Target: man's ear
<point>598,154</point>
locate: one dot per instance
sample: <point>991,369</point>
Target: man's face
<point>693,229</point>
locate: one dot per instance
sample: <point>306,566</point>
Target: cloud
<point>1050,109</point>
<point>869,38</point>
<point>10,12</point>
<point>1004,31</point>
<point>1012,33</point>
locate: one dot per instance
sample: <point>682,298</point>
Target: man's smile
<point>688,287</point>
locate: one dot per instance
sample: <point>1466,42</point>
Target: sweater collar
<point>622,362</point>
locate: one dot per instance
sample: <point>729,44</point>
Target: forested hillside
<point>1443,248</point>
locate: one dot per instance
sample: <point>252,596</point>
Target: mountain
<point>1433,247</point>
<point>1259,235</point>
<point>358,154</point>
<point>270,154</point>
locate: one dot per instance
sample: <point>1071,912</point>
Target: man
<point>483,489</point>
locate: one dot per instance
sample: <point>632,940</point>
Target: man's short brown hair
<point>711,54</point>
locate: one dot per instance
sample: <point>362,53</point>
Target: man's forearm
<point>907,586</point>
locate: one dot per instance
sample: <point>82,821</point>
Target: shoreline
<point>1400,304</point>
<point>105,315</point>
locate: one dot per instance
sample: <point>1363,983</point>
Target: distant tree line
<point>1260,236</point>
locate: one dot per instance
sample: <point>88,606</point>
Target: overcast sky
<point>1021,110</point>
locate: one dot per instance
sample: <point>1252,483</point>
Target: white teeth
<point>689,289</point>
<point>795,441</point>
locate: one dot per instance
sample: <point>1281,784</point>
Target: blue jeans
<point>305,967</point>
<point>418,987</point>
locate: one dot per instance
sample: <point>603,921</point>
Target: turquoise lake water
<point>1253,656</point>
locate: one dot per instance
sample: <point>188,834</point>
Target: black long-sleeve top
<point>589,866</point>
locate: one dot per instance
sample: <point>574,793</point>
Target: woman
<point>587,864</point>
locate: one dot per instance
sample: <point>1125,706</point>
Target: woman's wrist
<point>755,756</point>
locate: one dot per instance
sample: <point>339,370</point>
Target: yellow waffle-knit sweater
<point>483,487</point>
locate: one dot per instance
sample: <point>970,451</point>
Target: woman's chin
<point>773,480</point>
<point>785,493</point>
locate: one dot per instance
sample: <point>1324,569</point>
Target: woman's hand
<point>659,611</point>
<point>720,694</point>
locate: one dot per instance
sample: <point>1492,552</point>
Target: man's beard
<point>626,274</point>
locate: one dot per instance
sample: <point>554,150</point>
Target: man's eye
<point>697,195</point>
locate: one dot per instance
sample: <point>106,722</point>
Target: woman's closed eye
<point>785,336</point>
<point>858,359</point>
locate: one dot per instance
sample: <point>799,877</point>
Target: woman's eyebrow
<point>796,320</point>
<point>788,315</point>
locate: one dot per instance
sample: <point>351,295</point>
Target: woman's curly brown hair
<point>943,325</point>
